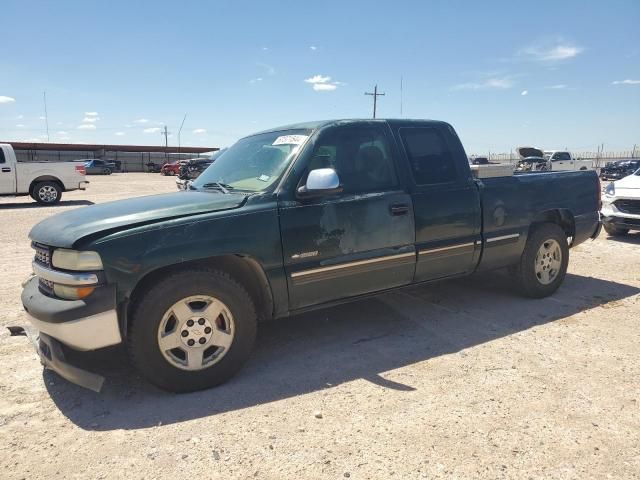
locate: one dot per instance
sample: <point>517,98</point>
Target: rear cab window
<point>430,158</point>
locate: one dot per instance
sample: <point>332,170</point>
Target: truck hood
<point>64,229</point>
<point>525,152</point>
<point>630,184</point>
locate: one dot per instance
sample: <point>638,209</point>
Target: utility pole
<point>375,95</point>
<point>166,143</point>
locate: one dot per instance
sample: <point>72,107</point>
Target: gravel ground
<point>463,379</point>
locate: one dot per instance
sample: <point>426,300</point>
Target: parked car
<point>99,167</point>
<point>480,161</point>
<point>621,205</point>
<point>43,181</point>
<point>171,168</point>
<point>532,159</point>
<point>618,170</point>
<point>288,220</point>
<point>563,160</point>
<point>192,168</point>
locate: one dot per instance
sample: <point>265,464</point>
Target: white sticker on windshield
<point>264,178</point>
<point>290,140</point>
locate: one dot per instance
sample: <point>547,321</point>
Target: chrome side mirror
<point>322,181</point>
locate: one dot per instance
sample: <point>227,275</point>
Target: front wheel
<point>107,171</point>
<point>193,330</point>
<point>47,193</point>
<point>614,231</point>
<point>543,264</point>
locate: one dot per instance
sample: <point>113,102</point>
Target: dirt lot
<point>458,380</point>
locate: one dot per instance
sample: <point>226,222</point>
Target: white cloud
<point>524,93</point>
<point>4,99</point>
<point>91,114</point>
<point>318,79</point>
<point>61,132</point>
<point>90,119</point>
<point>42,117</point>
<point>560,86</point>
<point>255,80</point>
<point>141,120</point>
<point>550,52</point>
<point>265,48</point>
<point>87,126</point>
<point>324,87</point>
<point>152,130</point>
<point>490,83</point>
<point>198,131</point>
<point>628,81</point>
<point>20,125</point>
<point>322,83</point>
<point>119,134</point>
<point>20,117</point>
<point>313,47</point>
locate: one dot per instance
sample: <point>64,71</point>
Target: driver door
<point>355,242</point>
<point>7,174</point>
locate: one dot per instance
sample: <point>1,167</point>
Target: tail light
<point>81,170</point>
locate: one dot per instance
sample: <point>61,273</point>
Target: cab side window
<point>430,157</point>
<point>360,156</point>
<point>2,160</point>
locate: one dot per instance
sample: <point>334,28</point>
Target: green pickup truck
<point>286,220</point>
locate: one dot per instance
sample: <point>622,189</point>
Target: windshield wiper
<point>223,187</point>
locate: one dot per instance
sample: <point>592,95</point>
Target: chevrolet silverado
<point>286,220</point>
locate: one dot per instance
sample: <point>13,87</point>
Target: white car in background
<point>621,205</point>
<point>563,160</point>
<point>43,181</point>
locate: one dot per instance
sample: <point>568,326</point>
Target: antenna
<point>46,115</point>
<point>180,131</point>
<point>401,95</point>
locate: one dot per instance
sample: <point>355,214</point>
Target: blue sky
<point>546,73</point>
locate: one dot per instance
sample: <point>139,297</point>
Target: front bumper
<point>614,217</point>
<point>87,324</point>
<point>52,357</point>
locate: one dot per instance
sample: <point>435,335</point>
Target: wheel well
<point>244,270</point>
<point>562,217</point>
<point>45,178</point>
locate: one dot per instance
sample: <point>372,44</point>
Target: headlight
<point>71,293</point>
<point>76,260</point>
<point>610,190</point>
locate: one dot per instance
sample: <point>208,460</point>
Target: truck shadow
<point>33,204</point>
<point>632,238</point>
<point>322,349</point>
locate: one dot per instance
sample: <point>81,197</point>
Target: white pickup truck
<point>43,181</point>
<point>563,160</point>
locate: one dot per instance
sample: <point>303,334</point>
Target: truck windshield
<point>254,163</point>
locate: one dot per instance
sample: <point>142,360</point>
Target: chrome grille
<point>43,255</point>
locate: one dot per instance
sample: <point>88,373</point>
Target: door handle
<point>5,169</point>
<point>399,209</point>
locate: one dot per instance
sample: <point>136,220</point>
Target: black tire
<point>614,231</point>
<point>142,339</point>
<point>107,171</point>
<point>46,193</point>
<point>524,272</point>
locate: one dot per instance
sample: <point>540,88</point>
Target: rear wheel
<point>543,264</point>
<point>615,231</point>
<point>107,171</point>
<point>193,330</point>
<point>47,193</point>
